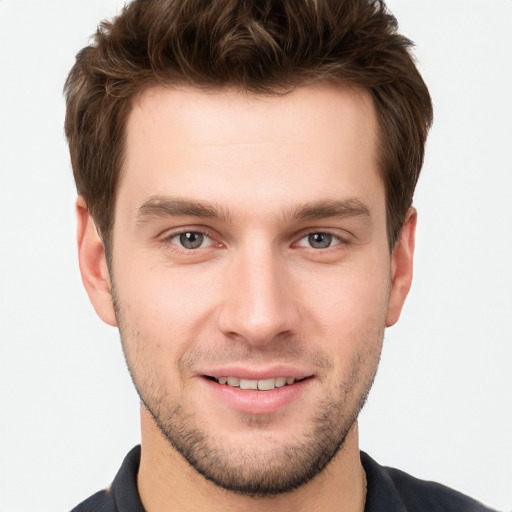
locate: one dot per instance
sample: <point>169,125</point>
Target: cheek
<point>349,311</point>
<point>165,307</point>
<point>349,295</point>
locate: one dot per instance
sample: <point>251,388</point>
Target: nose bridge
<point>257,305</point>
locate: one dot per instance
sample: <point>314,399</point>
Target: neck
<point>167,483</point>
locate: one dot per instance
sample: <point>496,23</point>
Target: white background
<point>441,405</point>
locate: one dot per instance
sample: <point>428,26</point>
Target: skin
<point>256,296</point>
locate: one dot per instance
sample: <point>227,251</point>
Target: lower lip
<point>258,402</point>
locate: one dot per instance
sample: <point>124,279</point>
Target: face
<point>251,276</point>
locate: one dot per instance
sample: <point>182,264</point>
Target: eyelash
<point>339,240</point>
<point>167,239</point>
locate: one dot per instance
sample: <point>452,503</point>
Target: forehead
<point>318,140</point>
<point>222,116</point>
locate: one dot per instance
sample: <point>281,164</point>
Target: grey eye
<point>191,239</point>
<point>320,240</point>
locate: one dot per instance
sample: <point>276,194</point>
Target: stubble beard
<point>280,468</point>
<point>271,471</point>
<point>274,468</point>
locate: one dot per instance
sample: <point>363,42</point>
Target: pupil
<point>320,240</point>
<point>191,240</point>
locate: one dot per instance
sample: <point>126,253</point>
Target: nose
<point>259,305</point>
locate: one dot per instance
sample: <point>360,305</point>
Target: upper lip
<point>269,372</point>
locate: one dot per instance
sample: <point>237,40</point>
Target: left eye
<point>191,240</point>
<point>319,240</point>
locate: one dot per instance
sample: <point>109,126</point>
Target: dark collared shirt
<point>388,490</point>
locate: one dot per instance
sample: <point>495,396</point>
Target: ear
<point>93,264</point>
<point>401,267</point>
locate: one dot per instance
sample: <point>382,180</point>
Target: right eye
<point>190,240</point>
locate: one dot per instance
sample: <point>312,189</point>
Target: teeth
<point>266,384</point>
<point>262,385</point>
<point>248,384</point>
<point>280,382</point>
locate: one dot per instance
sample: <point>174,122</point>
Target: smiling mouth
<point>260,385</point>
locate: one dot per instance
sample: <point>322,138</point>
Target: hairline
<point>183,83</point>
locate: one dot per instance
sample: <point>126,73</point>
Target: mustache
<point>284,351</point>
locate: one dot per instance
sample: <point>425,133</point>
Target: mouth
<point>256,385</point>
<point>256,392</point>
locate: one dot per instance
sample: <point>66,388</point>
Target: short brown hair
<point>261,46</point>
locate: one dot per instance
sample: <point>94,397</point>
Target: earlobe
<point>93,264</point>
<point>402,267</point>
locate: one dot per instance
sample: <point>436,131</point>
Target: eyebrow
<point>335,208</point>
<point>164,206</point>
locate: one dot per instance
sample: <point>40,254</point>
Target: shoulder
<point>416,493</point>
<point>122,495</point>
<point>412,494</point>
<point>100,502</point>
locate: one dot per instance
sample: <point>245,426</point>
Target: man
<point>245,174</point>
